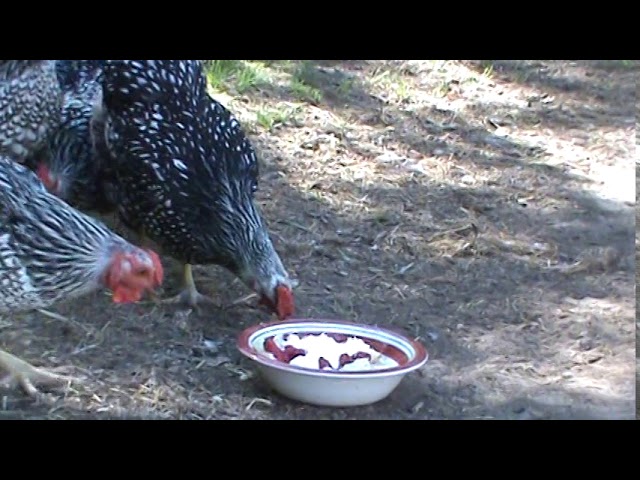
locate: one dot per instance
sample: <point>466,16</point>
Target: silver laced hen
<point>30,106</point>
<point>70,166</point>
<point>186,175</point>
<point>50,252</point>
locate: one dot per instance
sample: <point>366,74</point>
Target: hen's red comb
<point>44,174</point>
<point>284,302</point>
<point>158,274</point>
<point>284,307</point>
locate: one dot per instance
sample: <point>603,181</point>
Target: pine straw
<point>165,384</point>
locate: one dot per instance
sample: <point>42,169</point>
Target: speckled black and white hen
<point>70,166</point>
<point>30,106</point>
<point>187,174</point>
<point>51,252</point>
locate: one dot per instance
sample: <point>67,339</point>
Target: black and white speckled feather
<point>74,74</point>
<point>80,170</point>
<point>48,250</point>
<point>186,172</point>
<point>30,105</point>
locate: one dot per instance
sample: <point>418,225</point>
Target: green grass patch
<point>270,118</point>
<point>236,75</point>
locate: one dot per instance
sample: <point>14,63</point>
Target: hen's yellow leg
<point>189,295</point>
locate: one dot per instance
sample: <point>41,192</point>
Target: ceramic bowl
<point>336,388</point>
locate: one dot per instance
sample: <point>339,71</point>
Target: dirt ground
<point>486,208</point>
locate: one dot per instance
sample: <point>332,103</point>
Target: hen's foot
<point>26,376</point>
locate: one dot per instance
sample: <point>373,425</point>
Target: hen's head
<point>133,272</point>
